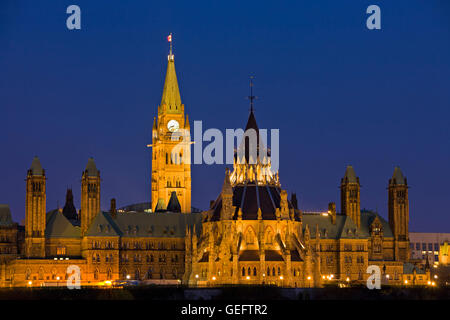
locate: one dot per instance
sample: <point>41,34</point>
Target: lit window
<point>61,251</point>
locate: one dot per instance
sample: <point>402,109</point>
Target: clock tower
<point>171,169</point>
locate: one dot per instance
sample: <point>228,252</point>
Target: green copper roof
<point>103,226</point>
<point>91,168</point>
<point>59,227</point>
<point>164,224</point>
<point>367,217</point>
<point>36,168</point>
<point>171,100</point>
<point>398,177</point>
<point>144,224</point>
<point>344,228</point>
<point>5,216</point>
<point>350,175</point>
<point>160,205</point>
<point>408,268</point>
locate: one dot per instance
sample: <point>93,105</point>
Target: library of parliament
<point>253,233</point>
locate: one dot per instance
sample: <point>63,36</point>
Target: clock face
<point>173,125</point>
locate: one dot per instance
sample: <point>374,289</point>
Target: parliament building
<point>253,233</point>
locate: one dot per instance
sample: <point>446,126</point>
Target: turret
<point>399,213</point>
<point>350,196</point>
<point>227,198</point>
<point>35,209</point>
<point>90,195</point>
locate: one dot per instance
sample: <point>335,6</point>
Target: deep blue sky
<point>339,93</point>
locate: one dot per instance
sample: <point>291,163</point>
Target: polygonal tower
<point>399,213</point>
<point>350,197</point>
<point>90,195</point>
<point>35,206</point>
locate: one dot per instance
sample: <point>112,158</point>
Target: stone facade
<point>252,234</point>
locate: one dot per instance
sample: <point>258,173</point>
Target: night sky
<point>339,93</point>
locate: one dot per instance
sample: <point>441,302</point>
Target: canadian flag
<point>169,38</point>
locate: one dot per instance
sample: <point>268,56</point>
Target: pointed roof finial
<point>169,39</point>
<point>226,187</point>
<point>171,99</point>
<point>251,97</point>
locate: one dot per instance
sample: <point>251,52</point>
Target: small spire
<point>226,188</point>
<point>187,125</point>
<point>36,167</point>
<point>91,168</point>
<point>251,97</point>
<point>171,99</point>
<point>160,205</point>
<point>69,210</point>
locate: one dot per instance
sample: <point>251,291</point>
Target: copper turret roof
<point>91,168</point>
<point>350,175</point>
<point>249,198</point>
<point>398,177</point>
<point>36,168</point>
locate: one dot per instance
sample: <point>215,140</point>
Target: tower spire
<point>251,97</point>
<point>171,99</point>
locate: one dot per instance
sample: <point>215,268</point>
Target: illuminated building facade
<point>251,234</point>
